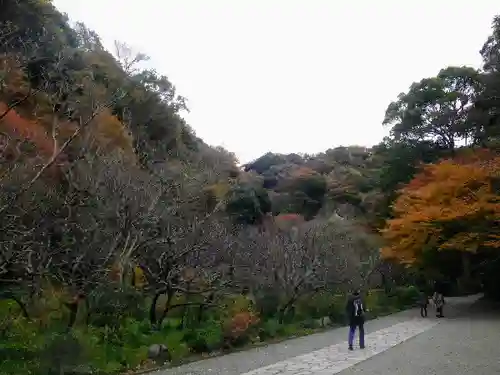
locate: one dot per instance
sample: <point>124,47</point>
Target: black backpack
<point>358,307</point>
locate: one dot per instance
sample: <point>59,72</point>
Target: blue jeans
<point>360,324</point>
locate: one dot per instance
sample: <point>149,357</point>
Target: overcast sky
<point>289,75</point>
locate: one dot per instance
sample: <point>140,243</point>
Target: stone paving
<point>335,358</point>
<point>464,342</point>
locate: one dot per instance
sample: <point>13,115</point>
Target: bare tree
<point>308,258</point>
<point>189,240</point>
<point>127,58</point>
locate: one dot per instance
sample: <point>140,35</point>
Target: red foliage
<point>287,221</point>
<point>240,324</point>
<point>21,128</point>
<point>290,217</point>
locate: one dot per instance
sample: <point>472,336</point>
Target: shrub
<point>321,304</point>
<point>204,339</point>
<point>310,324</point>
<point>238,330</point>
<point>377,301</point>
<point>237,304</point>
<point>406,296</point>
<point>270,329</point>
<point>63,353</point>
<point>381,303</point>
<point>267,303</point>
<point>111,304</point>
<point>28,346</point>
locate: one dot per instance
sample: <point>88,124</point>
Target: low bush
<point>241,328</point>
<point>407,296</point>
<point>270,329</point>
<point>206,338</point>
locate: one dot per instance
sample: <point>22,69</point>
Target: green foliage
<point>63,352</point>
<point>321,304</point>
<point>436,108</point>
<point>112,332</point>
<point>26,346</point>
<point>206,338</point>
<point>381,303</point>
<point>270,329</point>
<point>267,161</point>
<point>247,204</point>
<point>110,305</point>
<point>308,193</point>
<point>401,160</point>
<point>267,303</point>
<point>407,296</point>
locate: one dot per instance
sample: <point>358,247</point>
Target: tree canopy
<point>118,222</point>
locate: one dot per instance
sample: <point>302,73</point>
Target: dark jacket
<point>355,308</point>
<point>423,300</point>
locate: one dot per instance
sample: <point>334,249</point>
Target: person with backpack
<point>355,311</point>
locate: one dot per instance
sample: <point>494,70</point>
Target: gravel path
<point>461,344</point>
<point>466,340</point>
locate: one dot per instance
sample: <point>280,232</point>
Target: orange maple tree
<point>453,204</point>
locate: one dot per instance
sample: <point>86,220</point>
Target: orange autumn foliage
<point>240,324</point>
<point>453,204</point>
<point>111,133</point>
<point>32,120</point>
<point>21,128</point>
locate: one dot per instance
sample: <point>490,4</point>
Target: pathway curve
<point>464,342</point>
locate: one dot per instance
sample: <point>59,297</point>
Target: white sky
<point>289,75</point>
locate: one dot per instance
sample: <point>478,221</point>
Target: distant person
<point>356,314</point>
<point>423,303</point>
<point>438,299</point>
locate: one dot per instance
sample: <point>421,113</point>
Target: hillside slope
<point>340,182</point>
<point>52,71</point>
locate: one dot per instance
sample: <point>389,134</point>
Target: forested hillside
<point>121,231</point>
<point>431,187</point>
<point>126,241</point>
<point>340,183</point>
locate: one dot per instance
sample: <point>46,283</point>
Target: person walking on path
<point>355,313</point>
<point>438,299</point>
<point>423,302</point>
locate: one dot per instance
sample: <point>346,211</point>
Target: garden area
<point>119,337</point>
<point>128,243</point>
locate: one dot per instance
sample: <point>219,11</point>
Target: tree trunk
<point>282,312</point>
<point>466,266</point>
<point>201,309</point>
<point>152,308</point>
<point>166,308</point>
<point>185,308</point>
<point>88,312</point>
<point>73,312</point>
